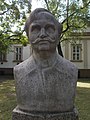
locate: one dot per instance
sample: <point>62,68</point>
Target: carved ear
<point>60,28</point>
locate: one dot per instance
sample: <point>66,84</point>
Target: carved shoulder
<point>67,66</point>
<point>24,68</point>
<point>19,70</point>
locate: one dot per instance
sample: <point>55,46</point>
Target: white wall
<point>85,61</point>
<point>87,30</point>
<point>88,54</point>
<point>10,56</point>
<point>26,52</point>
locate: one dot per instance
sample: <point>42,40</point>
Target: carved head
<point>43,30</point>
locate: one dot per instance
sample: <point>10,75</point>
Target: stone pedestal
<point>20,115</point>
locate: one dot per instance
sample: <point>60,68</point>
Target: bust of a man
<point>45,82</point>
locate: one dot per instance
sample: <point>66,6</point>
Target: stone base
<point>20,115</point>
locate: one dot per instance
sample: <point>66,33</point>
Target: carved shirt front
<point>48,86</point>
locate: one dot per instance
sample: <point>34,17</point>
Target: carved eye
<point>50,29</point>
<point>35,28</point>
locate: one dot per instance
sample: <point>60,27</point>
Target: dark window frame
<point>76,52</point>
<point>18,54</point>
<point>3,57</point>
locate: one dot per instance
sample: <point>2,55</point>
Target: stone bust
<point>45,82</point>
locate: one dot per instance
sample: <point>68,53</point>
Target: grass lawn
<point>8,99</point>
<point>83,99</point>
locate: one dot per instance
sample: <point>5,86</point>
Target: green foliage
<point>73,14</point>
<point>12,18</point>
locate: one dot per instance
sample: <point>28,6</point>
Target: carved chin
<point>43,47</point>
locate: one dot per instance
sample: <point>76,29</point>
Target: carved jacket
<point>49,89</point>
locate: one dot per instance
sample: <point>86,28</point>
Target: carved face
<point>43,33</point>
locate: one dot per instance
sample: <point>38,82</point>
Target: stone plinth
<point>20,115</point>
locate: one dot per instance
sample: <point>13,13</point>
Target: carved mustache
<point>43,39</point>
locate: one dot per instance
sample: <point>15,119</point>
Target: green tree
<point>12,17</point>
<point>73,14</point>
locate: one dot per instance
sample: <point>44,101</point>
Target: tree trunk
<point>59,49</point>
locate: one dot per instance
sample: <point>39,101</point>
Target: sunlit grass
<point>84,85</point>
<point>8,99</point>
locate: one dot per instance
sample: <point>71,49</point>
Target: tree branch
<point>56,7</point>
<point>67,17</point>
<point>66,20</point>
<point>66,29</point>
<point>75,12</point>
<point>47,4</point>
<point>2,13</point>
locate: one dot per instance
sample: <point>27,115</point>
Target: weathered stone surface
<point>48,89</point>
<point>20,115</point>
<point>45,82</point>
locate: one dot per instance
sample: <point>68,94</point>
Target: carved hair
<point>33,16</point>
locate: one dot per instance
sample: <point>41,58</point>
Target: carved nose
<point>42,33</point>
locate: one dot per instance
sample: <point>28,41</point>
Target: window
<point>2,57</point>
<point>18,53</point>
<point>76,52</point>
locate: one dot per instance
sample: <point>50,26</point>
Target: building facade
<point>79,53</point>
<point>17,54</point>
